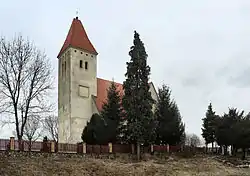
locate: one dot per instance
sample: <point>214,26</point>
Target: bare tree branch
<point>193,140</point>
<point>25,81</point>
<point>33,130</point>
<point>51,127</point>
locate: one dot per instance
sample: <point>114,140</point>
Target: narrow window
<point>80,63</point>
<point>86,65</point>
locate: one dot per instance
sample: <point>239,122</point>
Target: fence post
<point>152,149</point>
<point>84,148</point>
<point>52,146</point>
<point>110,147</point>
<point>168,148</point>
<point>12,143</point>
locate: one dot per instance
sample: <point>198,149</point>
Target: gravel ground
<point>53,166</point>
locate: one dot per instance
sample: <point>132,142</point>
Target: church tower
<point>77,83</point>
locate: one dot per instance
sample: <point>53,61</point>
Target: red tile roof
<point>102,86</point>
<point>78,38</point>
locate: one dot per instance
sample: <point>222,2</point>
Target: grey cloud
<point>197,77</point>
<point>236,71</point>
<point>192,81</point>
<point>240,80</point>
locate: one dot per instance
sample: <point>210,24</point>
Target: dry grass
<point>86,166</point>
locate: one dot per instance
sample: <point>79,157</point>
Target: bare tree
<point>51,127</point>
<point>25,82</point>
<point>33,130</point>
<point>192,140</point>
<point>195,140</point>
<point>188,140</point>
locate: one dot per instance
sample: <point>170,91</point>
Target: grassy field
<point>172,166</point>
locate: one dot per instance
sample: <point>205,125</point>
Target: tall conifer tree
<point>209,126</point>
<point>111,111</point>
<point>137,100</point>
<point>170,129</point>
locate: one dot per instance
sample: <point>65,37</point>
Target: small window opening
<point>80,63</point>
<point>86,65</point>
<point>86,54</point>
<point>75,51</point>
<point>81,52</point>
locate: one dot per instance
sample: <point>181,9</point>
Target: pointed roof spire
<point>77,38</point>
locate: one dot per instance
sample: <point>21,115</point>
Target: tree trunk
<point>56,146</point>
<point>234,150</point>
<point>20,144</point>
<point>138,151</point>
<point>206,147</point>
<point>133,148</point>
<point>30,143</point>
<point>212,147</point>
<point>243,154</point>
<point>225,150</point>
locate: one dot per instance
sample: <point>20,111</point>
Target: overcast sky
<point>200,48</point>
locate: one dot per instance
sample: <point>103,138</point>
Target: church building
<point>80,92</point>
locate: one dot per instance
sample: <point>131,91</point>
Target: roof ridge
<point>109,80</point>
